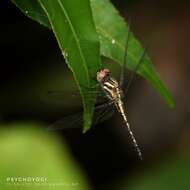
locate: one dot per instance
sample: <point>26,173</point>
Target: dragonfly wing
<point>59,96</point>
<point>101,113</point>
<point>67,122</point>
<point>104,113</point>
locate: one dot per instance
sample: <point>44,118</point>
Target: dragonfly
<point>114,92</point>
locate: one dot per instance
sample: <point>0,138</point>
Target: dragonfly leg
<point>104,113</point>
<point>104,105</point>
<point>90,87</point>
<point>134,71</point>
<point>123,68</point>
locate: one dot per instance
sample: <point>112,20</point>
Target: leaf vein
<point>75,36</point>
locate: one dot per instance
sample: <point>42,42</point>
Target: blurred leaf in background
<point>26,151</point>
<point>170,174</point>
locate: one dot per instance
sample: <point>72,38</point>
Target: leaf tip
<point>86,126</point>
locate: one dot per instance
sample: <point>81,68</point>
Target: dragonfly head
<point>102,74</point>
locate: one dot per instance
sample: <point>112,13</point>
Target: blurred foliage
<point>27,151</point>
<point>169,174</point>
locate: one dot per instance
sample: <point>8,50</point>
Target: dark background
<point>31,65</point>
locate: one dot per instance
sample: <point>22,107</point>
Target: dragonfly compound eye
<point>102,74</point>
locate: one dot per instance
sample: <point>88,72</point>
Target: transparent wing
<point>67,122</point>
<point>60,96</point>
<point>101,113</point>
<point>61,93</point>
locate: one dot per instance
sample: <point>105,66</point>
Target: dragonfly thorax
<point>108,84</point>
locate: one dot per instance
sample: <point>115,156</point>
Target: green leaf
<point>28,151</point>
<point>33,10</point>
<point>73,27</point>
<point>112,32</point>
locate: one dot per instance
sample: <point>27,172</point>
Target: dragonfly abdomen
<point>124,116</point>
<point>112,90</point>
